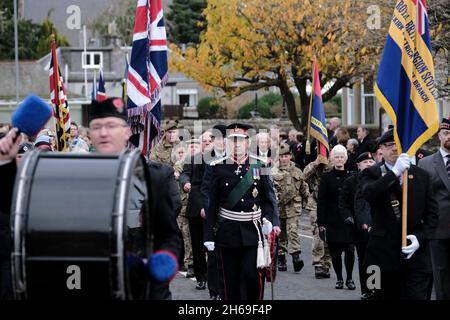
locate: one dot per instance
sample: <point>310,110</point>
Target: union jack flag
<point>421,15</point>
<point>59,100</point>
<point>101,92</point>
<point>147,74</point>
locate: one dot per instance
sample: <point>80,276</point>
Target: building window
<point>184,100</point>
<point>92,59</point>
<point>368,103</point>
<point>369,108</point>
<point>187,97</point>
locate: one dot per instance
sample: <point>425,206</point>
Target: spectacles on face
<point>107,126</point>
<point>389,144</point>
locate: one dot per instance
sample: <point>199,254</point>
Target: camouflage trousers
<point>289,240</point>
<point>183,224</point>
<point>320,253</point>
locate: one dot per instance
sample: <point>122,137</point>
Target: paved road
<point>288,285</point>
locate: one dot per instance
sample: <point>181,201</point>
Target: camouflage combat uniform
<point>183,223</point>
<point>320,253</point>
<point>291,190</point>
<point>162,152</point>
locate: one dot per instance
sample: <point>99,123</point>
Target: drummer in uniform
<point>109,134</point>
<point>241,195</point>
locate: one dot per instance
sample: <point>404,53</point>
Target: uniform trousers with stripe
<point>241,279</point>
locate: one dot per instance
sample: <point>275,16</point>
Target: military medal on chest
<point>255,192</point>
<point>238,170</point>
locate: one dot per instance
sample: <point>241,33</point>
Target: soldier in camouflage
<point>292,190</point>
<point>320,253</point>
<point>179,154</point>
<point>162,152</point>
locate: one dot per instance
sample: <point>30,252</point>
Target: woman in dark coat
<point>338,234</point>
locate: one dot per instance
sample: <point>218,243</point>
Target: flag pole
<point>56,91</point>
<point>404,207</point>
<point>308,143</point>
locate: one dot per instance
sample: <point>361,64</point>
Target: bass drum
<point>81,226</point>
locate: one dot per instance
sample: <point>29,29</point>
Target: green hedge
<point>265,105</point>
<point>207,108</point>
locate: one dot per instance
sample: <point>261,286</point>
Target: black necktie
<point>448,165</point>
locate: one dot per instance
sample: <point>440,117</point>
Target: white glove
<point>266,227</point>
<point>409,250</point>
<point>209,245</point>
<point>403,162</point>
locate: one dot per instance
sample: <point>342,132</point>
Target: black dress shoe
<point>201,285</point>
<point>297,262</point>
<point>190,273</point>
<point>350,284</point>
<point>339,284</point>
<point>282,266</point>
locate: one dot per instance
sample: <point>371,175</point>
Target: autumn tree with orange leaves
<point>253,44</point>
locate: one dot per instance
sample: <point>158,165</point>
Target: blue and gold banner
<point>405,83</point>
<point>317,121</point>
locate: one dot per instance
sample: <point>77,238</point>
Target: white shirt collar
<point>388,165</point>
<point>219,154</point>
<point>444,154</point>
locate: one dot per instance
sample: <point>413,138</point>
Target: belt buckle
<point>395,203</point>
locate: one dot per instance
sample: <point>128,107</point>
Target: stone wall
<point>32,77</point>
<point>258,123</point>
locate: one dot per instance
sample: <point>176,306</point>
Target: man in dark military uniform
<point>405,271</point>
<point>356,213</point>
<point>241,195</point>
<point>110,133</point>
<point>219,133</point>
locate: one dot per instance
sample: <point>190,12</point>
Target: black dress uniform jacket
<point>193,173</point>
<point>7,176</point>
<point>165,204</point>
<point>347,207</point>
<point>384,247</point>
<point>328,213</point>
<point>234,234</point>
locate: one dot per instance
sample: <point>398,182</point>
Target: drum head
<point>80,226</point>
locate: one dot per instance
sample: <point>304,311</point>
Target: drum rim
<point>128,161</point>
<point>20,219</point>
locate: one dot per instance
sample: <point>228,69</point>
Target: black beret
<point>364,156</point>
<point>111,107</point>
<point>221,128</point>
<point>386,137</point>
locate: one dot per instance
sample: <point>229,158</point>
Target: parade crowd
<point>238,189</point>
